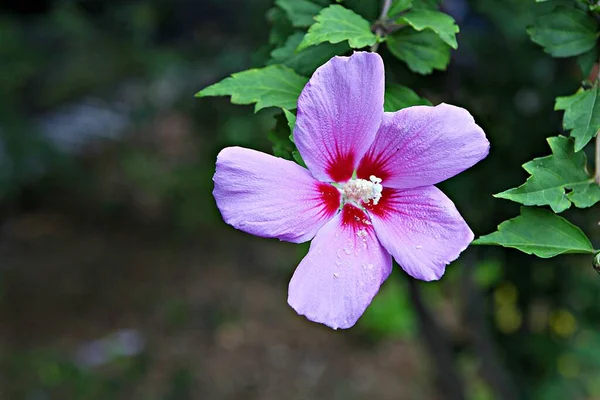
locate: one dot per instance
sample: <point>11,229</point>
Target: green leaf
<point>398,6</point>
<point>305,62</point>
<point>300,12</point>
<point>440,23</point>
<point>272,86</point>
<point>565,32</point>
<point>291,120</point>
<point>336,24</point>
<point>281,27</point>
<point>582,115</point>
<point>585,195</point>
<point>398,97</point>
<point>539,232</point>
<point>369,10</point>
<point>280,137</point>
<point>422,51</point>
<point>564,102</point>
<point>553,176</point>
<point>586,62</point>
<point>298,158</point>
<point>426,4</point>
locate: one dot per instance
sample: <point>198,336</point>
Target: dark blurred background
<point>119,280</point>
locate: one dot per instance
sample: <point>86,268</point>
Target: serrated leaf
<point>422,51</point>
<point>553,176</point>
<point>272,86</point>
<point>585,195</point>
<point>564,102</point>
<point>582,115</point>
<point>565,32</point>
<point>301,13</point>
<point>336,24</point>
<point>539,232</point>
<point>398,97</point>
<point>440,23</point>
<point>398,6</point>
<point>305,62</point>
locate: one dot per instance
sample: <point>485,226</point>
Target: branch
<point>386,7</point>
<point>439,348</point>
<point>380,22</point>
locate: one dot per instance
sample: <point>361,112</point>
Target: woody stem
<point>385,8</point>
<point>378,24</point>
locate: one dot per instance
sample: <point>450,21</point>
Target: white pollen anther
<point>362,190</point>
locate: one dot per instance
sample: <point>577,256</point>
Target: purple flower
<point>367,195</point>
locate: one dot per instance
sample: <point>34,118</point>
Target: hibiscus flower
<point>367,195</point>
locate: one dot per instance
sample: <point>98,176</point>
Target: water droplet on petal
<point>336,275</point>
<point>361,233</point>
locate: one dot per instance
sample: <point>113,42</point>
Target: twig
<point>439,348</point>
<point>379,23</point>
<point>385,8</point>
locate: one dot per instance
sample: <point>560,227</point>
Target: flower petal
<point>421,228</point>
<point>342,271</point>
<point>271,197</point>
<point>339,112</point>
<point>422,145</point>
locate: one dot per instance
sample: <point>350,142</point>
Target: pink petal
<point>421,228</point>
<point>339,112</point>
<point>422,145</point>
<point>342,271</point>
<point>271,197</point>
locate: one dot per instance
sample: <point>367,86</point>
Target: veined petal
<point>339,112</point>
<point>421,228</point>
<point>271,197</point>
<point>422,145</point>
<point>342,271</point>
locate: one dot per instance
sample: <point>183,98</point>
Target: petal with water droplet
<point>338,301</point>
